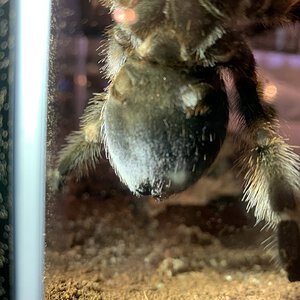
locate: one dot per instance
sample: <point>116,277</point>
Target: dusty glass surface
<point>105,243</point>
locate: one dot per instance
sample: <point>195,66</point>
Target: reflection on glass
<point>30,120</point>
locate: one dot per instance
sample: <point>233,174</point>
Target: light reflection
<point>81,80</point>
<point>32,43</point>
<point>126,16</point>
<point>270,92</point>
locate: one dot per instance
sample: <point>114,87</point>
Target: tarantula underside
<point>164,117</point>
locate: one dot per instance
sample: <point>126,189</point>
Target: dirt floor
<point>103,244</point>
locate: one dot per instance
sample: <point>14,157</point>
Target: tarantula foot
<point>289,248</point>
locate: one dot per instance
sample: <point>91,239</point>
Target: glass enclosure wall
<point>104,243</point>
<point>30,122</point>
<point>23,120</point>
<point>101,241</point>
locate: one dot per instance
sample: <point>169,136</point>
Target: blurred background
<point>97,232</point>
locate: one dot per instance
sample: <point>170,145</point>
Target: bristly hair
<point>263,165</point>
<point>83,148</point>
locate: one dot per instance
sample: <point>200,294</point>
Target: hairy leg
<point>271,167</point>
<point>83,147</point>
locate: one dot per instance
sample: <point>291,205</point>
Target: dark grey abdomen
<point>154,143</point>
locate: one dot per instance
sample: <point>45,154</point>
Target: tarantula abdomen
<point>162,129</point>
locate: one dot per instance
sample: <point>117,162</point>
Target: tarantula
<point>165,114</point>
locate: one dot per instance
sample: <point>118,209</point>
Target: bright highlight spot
<point>270,92</point>
<point>126,16</point>
<point>80,80</point>
<point>91,132</point>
